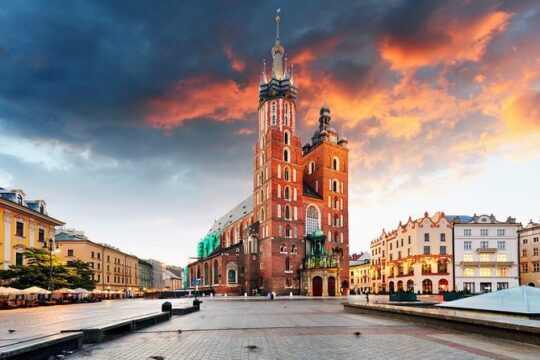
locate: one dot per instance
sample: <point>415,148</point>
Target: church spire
<point>277,54</point>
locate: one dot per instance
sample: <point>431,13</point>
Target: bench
<point>183,311</point>
<point>43,347</point>
<point>149,320</point>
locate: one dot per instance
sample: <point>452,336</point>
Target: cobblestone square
<point>303,329</point>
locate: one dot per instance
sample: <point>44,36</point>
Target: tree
<point>36,272</point>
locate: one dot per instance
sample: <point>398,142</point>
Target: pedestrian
<point>367,297</point>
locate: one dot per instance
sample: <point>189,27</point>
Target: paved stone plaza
<point>34,322</point>
<point>303,329</point>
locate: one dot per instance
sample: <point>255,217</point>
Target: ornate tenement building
<point>291,234</point>
<point>417,256</point>
<point>25,224</point>
<point>529,254</point>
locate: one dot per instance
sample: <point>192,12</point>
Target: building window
<point>467,232</point>
<point>485,272</point>
<point>524,252</point>
<point>231,277</point>
<point>535,239</point>
<point>286,174</point>
<point>525,241</point>
<point>501,245</point>
<point>442,250</point>
<point>468,272</point>
<point>19,200</point>
<point>502,272</point>
<point>484,244</point>
<point>409,239</point>
<point>286,115</point>
<point>286,138</point>
<point>286,156</point>
<point>468,287</point>
<point>311,168</point>
<point>273,113</point>
<point>287,265</point>
<point>484,257</point>
<point>426,236</point>
<point>535,251</point>
<point>500,232</point>
<point>524,268</point>
<point>502,285</point>
<point>282,249</point>
<point>287,193</point>
<point>19,230</point>
<point>502,257</point>
<point>293,250</point>
<point>427,250</point>
<point>483,232</point>
<point>443,237</point>
<point>288,231</point>
<point>287,212</point>
<point>467,245</point>
<point>312,219</point>
<point>536,267</point>
<point>19,258</point>
<point>70,252</point>
<point>467,257</point>
<point>92,254</point>
<point>335,164</point>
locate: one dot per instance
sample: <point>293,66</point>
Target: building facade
<point>417,256</point>
<point>360,269</point>
<point>291,235</point>
<point>486,254</point>
<point>146,272</point>
<point>158,274</point>
<point>529,252</point>
<point>113,269</point>
<point>24,224</point>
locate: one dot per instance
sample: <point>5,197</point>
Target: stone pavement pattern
<point>46,320</point>
<point>308,329</point>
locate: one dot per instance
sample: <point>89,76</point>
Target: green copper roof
<point>318,233</point>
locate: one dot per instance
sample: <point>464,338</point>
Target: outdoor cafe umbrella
<point>81,291</point>
<point>35,290</point>
<point>6,291</point>
<point>64,291</point>
<point>97,291</point>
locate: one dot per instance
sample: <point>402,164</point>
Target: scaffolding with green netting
<point>207,245</point>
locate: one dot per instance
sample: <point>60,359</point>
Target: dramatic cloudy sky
<point>135,122</point>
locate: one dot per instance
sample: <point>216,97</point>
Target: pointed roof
<point>519,300</point>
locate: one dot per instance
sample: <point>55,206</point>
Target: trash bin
<point>166,306</point>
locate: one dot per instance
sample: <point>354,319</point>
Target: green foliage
<point>36,272</point>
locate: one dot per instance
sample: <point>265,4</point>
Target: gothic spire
<point>277,54</point>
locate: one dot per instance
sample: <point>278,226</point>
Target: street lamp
<point>50,246</point>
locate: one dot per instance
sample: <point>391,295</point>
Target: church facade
<point>291,234</point>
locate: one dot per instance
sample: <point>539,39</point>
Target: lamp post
<point>50,246</point>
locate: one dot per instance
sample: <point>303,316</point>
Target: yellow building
<point>25,224</point>
<point>360,274</point>
<point>113,269</point>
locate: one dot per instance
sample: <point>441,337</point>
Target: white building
<point>485,253</point>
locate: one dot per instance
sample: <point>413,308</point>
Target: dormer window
<point>42,209</point>
<point>19,200</point>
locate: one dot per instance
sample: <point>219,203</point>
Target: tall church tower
<point>278,178</point>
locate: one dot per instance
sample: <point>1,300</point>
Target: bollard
<point>166,307</point>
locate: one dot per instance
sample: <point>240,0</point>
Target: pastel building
<point>417,256</point>
<point>24,224</point>
<point>529,252</point>
<point>360,268</point>
<point>486,253</point>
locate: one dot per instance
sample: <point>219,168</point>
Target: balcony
<point>486,250</point>
<point>486,263</point>
<point>435,273</point>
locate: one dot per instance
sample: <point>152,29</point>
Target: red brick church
<point>292,234</point>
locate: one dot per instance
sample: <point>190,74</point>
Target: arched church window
<point>336,203</point>
<point>293,250</point>
<point>286,174</point>
<point>262,215</point>
<point>287,212</point>
<point>273,113</point>
<point>286,116</point>
<point>311,169</point>
<point>286,138</point>
<point>336,236</point>
<point>288,233</point>
<point>335,164</point>
<point>286,156</point>
<point>287,264</point>
<point>335,186</point>
<point>215,273</point>
<point>312,219</point>
<point>206,274</point>
<point>287,193</point>
<point>282,249</point>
